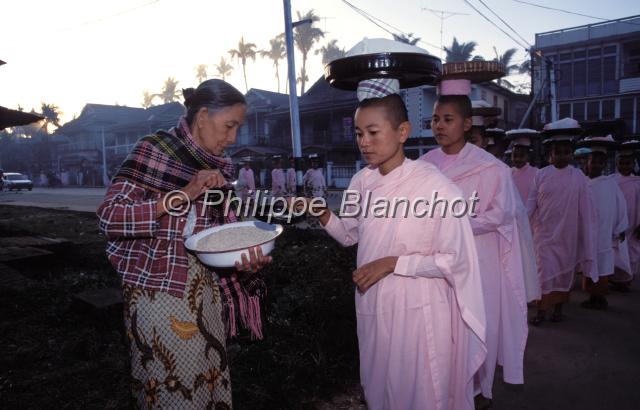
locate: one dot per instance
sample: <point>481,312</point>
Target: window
<point>594,52</point>
<point>594,76</point>
<point>626,113</point>
<point>608,109</point>
<point>565,56</point>
<point>578,111</point>
<point>593,110</point>
<point>609,50</point>
<point>483,95</point>
<point>579,54</point>
<point>564,111</point>
<point>564,82</point>
<point>609,75</point>
<point>631,59</point>
<point>579,78</point>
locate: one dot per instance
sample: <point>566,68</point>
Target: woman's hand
<point>369,274</point>
<point>255,262</point>
<point>310,206</point>
<point>202,181</point>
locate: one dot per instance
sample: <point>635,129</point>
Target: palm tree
<point>224,68</point>
<point>305,35</point>
<point>170,91</point>
<point>147,99</point>
<point>459,51</point>
<point>331,52</point>
<point>302,80</point>
<point>408,39</point>
<point>276,53</point>
<point>51,114</point>
<point>201,73</point>
<point>243,52</point>
<point>509,68</point>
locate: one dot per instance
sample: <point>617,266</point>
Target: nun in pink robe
<point>314,181</point>
<point>523,178</point>
<point>291,181</point>
<point>248,182</point>
<point>420,329</point>
<point>277,183</point>
<point>630,187</point>
<point>563,219</point>
<point>497,239</point>
<point>611,211</point>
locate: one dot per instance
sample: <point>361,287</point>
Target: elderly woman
<point>173,308</point>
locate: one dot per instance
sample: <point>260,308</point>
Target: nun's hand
<point>369,274</point>
<point>254,262</point>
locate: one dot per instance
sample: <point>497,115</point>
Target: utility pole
<point>293,93</point>
<point>443,15</point>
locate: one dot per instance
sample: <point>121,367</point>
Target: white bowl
<point>227,259</point>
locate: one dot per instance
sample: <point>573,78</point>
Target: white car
<point>13,180</point>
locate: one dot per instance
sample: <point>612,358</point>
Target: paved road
<point>74,199</point>
<point>83,199</point>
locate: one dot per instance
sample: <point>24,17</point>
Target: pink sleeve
<point>343,230</point>
<point>500,209</point>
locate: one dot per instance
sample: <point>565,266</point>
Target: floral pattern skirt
<point>177,346</point>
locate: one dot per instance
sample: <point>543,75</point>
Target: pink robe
<point>563,221</point>
<point>291,181</point>
<point>314,182</point>
<point>248,182</point>
<point>277,183</point>
<point>501,266</point>
<point>523,178</point>
<point>420,329</point>
<point>630,187</point>
<point>611,211</point>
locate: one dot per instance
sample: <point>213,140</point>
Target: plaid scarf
<point>167,161</point>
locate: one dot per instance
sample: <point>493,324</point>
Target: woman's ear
<point>201,116</point>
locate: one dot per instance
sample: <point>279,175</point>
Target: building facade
<point>597,73</point>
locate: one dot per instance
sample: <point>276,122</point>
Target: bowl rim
<point>278,228</point>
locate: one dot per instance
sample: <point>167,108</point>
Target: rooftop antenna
<point>443,15</point>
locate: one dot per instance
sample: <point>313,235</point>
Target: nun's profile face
<point>378,140</point>
<point>449,127</point>
<point>625,165</point>
<point>216,131</point>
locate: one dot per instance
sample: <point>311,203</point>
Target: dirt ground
<point>57,355</point>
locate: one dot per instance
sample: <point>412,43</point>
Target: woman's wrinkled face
<point>217,130</point>
<point>378,140</point>
<point>449,126</point>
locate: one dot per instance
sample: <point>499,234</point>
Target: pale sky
<point>74,52</point>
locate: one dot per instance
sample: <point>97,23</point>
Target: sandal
<point>537,320</point>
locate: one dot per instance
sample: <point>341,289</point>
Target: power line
<point>571,12</point>
<point>505,23</point>
<point>99,19</point>
<point>495,25</point>
<point>378,23</point>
